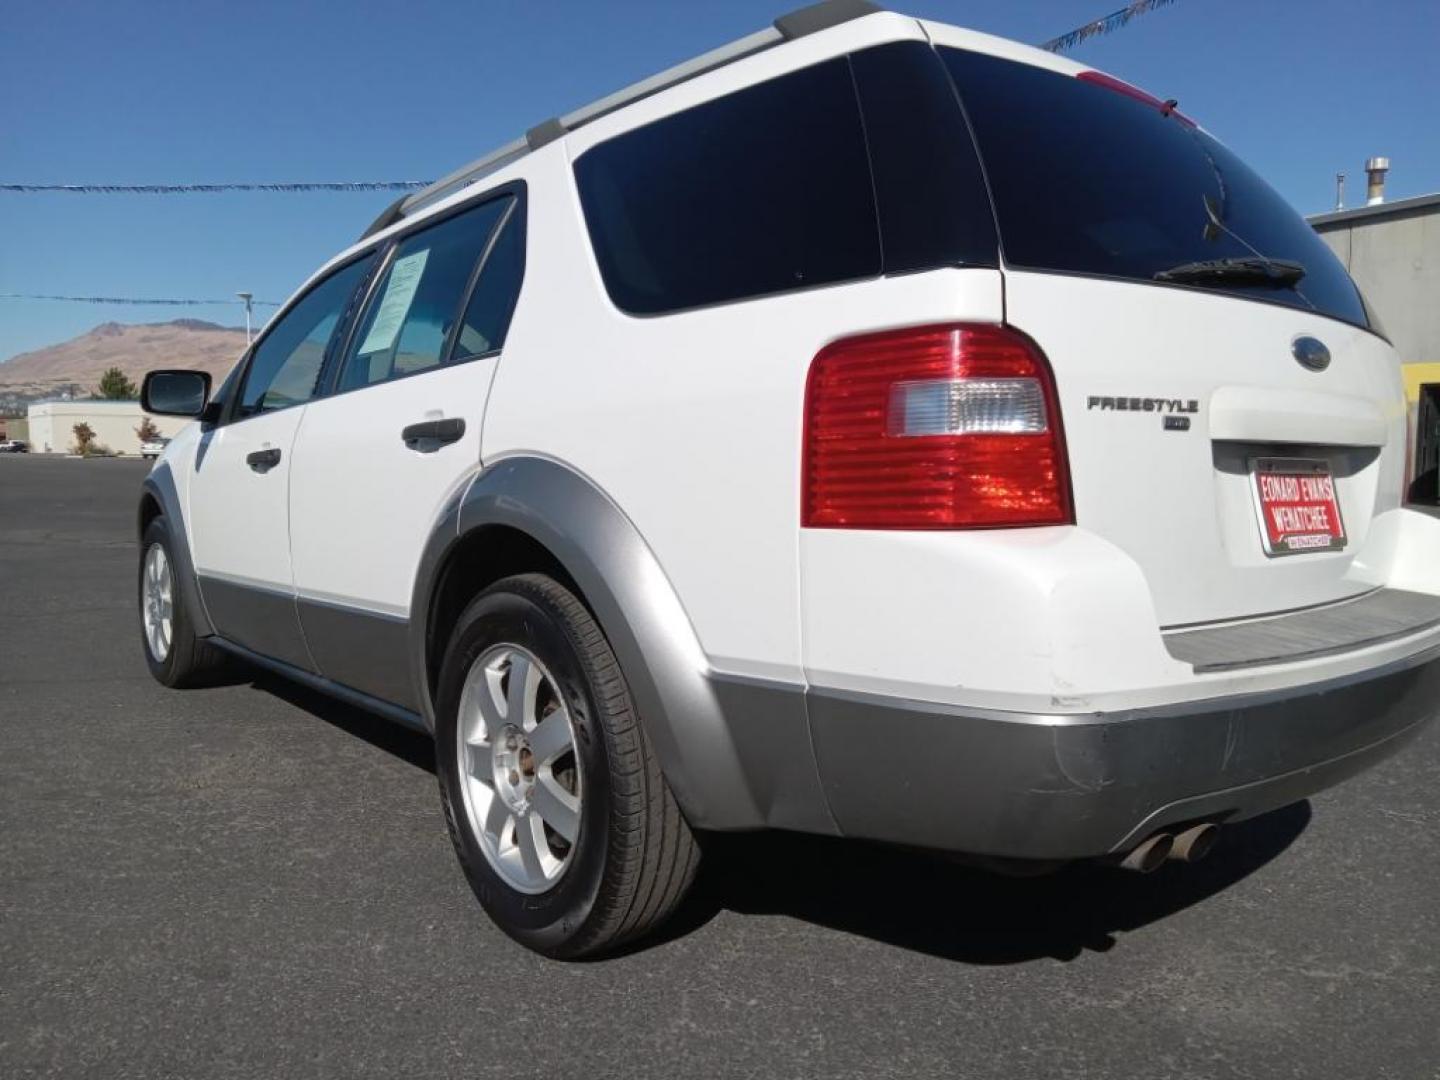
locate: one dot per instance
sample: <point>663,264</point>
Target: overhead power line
<point>210,189</point>
<point>1106,25</point>
<point>142,301</point>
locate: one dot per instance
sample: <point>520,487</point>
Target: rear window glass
<point>1088,180</point>
<point>758,192</point>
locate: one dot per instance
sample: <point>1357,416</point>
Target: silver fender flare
<point>160,486</point>
<point>636,607</point>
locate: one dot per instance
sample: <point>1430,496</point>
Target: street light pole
<point>246,298</point>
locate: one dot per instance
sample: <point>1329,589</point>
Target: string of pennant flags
<point>147,301</point>
<point>211,189</point>
<point>1107,24</point>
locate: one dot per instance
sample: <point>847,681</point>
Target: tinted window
<point>1089,180</point>
<point>764,190</point>
<point>933,207</point>
<point>285,367</point>
<point>487,314</point>
<point>413,306</point>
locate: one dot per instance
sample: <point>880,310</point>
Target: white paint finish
<point>239,517</point>
<point>362,504</point>
<point>957,37</point>
<point>1044,618</point>
<point>1416,544</point>
<point>1051,620</point>
<point>691,422</point>
<point>1158,495</point>
<point>1262,413</point>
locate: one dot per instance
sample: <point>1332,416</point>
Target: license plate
<point>1295,498</point>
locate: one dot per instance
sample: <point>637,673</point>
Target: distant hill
<point>133,348</point>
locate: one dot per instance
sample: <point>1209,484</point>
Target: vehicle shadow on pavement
<point>950,910</point>
<point>960,913</point>
<point>410,746</point>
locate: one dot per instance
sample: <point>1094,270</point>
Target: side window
<point>413,306</point>
<point>934,210</point>
<point>757,192</point>
<point>487,314</point>
<point>285,367</point>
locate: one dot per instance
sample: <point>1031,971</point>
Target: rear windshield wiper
<point>1277,273</point>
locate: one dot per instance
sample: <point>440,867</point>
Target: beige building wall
<point>52,425</point>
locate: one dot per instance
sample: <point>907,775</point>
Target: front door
<point>377,459</point>
<point>241,473</point>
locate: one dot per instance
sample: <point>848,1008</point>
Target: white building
<point>52,425</point>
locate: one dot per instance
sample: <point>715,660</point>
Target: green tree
<point>115,386</point>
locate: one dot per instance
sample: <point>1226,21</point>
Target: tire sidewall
<point>514,615</point>
<point>157,532</point>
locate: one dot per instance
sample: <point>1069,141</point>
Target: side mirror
<point>175,393</point>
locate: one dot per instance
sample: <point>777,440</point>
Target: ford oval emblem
<point>1310,353</point>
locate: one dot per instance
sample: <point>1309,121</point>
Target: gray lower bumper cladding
<point>1066,787</point>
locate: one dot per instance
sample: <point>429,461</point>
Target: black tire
<point>634,856</point>
<point>191,661</point>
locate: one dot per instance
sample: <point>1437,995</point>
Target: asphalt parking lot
<point>251,881</point>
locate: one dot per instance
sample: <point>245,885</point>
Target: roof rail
<point>822,16</point>
<point>797,24</point>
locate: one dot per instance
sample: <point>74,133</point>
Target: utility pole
<point>247,299</point>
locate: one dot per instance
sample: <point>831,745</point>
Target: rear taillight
<point>933,427</point>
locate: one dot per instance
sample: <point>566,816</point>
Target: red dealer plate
<point>1295,498</point>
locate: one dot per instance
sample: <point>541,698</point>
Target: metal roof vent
<point>1375,170</point>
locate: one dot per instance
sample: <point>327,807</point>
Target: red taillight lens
<point>934,427</point>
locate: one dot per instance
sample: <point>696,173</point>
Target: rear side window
<point>762,191</point>
<point>1089,180</point>
<point>933,207</point>
<point>487,313</point>
<point>285,367</point>
<point>414,306</point>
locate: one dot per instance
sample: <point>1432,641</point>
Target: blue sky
<point>115,92</point>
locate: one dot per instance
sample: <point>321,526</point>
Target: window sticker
<point>395,305</point>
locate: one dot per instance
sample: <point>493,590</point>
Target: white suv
<point>871,428</point>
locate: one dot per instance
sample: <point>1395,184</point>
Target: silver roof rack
<point>796,24</point>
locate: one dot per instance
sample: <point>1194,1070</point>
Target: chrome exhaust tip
<point>1195,843</point>
<point>1148,856</point>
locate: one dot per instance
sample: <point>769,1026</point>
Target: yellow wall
<point>1415,375</point>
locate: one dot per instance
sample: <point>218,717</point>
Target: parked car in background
<point>14,446</point>
<point>153,448</point>
<point>698,463</point>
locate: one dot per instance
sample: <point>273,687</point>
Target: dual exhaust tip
<point>1189,846</point>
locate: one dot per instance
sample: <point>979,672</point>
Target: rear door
<point>1183,376</point>
<point>241,473</point>
<point>377,459</point>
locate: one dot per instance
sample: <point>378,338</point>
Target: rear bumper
<point>1034,786</point>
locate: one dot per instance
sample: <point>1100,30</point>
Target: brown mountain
<point>133,348</point>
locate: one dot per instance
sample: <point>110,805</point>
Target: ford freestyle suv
<point>870,428</point>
